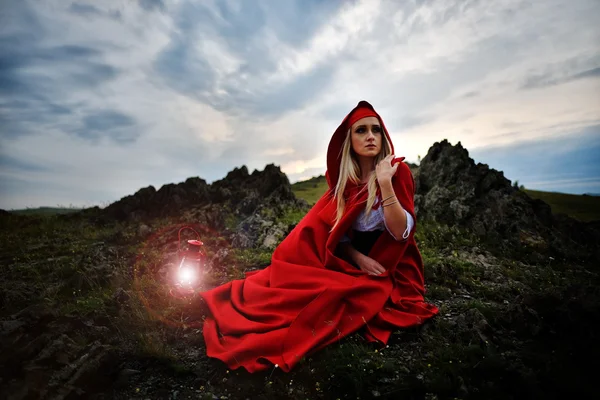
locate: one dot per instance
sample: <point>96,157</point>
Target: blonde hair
<point>350,170</point>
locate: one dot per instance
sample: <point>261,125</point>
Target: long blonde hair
<point>350,170</point>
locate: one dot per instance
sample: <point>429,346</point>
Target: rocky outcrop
<point>246,191</point>
<point>452,189</point>
<point>253,201</point>
<point>241,191</point>
<point>168,200</point>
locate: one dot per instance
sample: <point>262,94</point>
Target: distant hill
<point>45,211</point>
<point>310,190</point>
<point>581,207</point>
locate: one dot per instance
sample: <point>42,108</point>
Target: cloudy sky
<point>101,98</point>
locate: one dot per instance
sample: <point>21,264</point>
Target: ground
<point>86,313</point>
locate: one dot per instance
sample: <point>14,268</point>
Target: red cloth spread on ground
<point>309,297</point>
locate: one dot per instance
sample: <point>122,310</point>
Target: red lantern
<point>191,262</point>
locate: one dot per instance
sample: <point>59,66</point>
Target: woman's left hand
<point>384,169</point>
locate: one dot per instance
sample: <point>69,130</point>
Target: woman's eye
<point>360,130</point>
<point>376,129</point>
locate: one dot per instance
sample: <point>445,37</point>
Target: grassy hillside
<point>310,190</point>
<point>45,211</point>
<point>88,312</point>
<point>583,208</point>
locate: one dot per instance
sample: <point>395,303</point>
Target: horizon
<point>98,100</point>
<point>157,188</point>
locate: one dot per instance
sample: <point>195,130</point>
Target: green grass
<point>310,190</point>
<point>52,259</point>
<point>583,208</point>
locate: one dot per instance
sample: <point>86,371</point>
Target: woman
<point>351,263</point>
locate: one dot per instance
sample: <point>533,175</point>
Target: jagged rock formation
<point>452,189</point>
<point>171,198</point>
<point>254,200</point>
<point>239,190</point>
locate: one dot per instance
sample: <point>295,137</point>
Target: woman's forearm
<point>395,217</point>
<point>349,253</point>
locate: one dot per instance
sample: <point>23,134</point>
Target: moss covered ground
<point>508,327</point>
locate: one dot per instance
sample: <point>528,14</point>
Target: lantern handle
<point>179,235</point>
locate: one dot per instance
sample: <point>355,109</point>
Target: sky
<point>101,98</point>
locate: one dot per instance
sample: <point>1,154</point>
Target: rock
<point>168,200</point>
<point>8,327</point>
<point>240,193</point>
<point>144,230</point>
<point>453,190</point>
<point>219,256</point>
<point>257,231</point>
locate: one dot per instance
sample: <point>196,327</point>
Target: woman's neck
<point>366,167</point>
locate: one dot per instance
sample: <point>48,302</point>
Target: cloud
<point>540,81</point>
<point>84,9</point>
<point>9,162</point>
<point>151,5</point>
<point>37,78</point>
<point>111,123</point>
<point>107,97</point>
<point>223,56</point>
<point>566,163</point>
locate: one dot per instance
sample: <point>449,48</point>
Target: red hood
<point>334,151</point>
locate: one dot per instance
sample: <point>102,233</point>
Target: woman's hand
<point>370,266</point>
<point>384,169</point>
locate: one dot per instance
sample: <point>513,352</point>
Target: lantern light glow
<point>186,274</point>
<point>190,268</point>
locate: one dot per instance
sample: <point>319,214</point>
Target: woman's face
<point>366,137</point>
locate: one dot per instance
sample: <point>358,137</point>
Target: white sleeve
<point>410,222</point>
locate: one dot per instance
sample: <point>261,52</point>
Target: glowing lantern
<point>191,262</point>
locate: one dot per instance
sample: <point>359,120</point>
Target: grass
<point>310,190</point>
<point>583,208</point>
<point>500,319</point>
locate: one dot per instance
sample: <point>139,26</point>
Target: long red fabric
<point>309,297</point>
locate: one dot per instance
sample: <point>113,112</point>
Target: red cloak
<point>309,297</point>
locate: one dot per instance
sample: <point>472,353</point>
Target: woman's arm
<point>365,263</point>
<point>395,217</point>
<point>349,253</point>
<point>401,190</point>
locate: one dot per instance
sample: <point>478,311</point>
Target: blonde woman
<point>351,264</point>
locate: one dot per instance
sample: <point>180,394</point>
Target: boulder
<point>453,190</point>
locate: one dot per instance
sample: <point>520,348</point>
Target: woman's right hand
<point>369,265</point>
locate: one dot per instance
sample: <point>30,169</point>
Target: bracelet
<point>389,204</point>
<point>387,198</point>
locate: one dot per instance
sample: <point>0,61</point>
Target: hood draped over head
<point>334,152</point>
